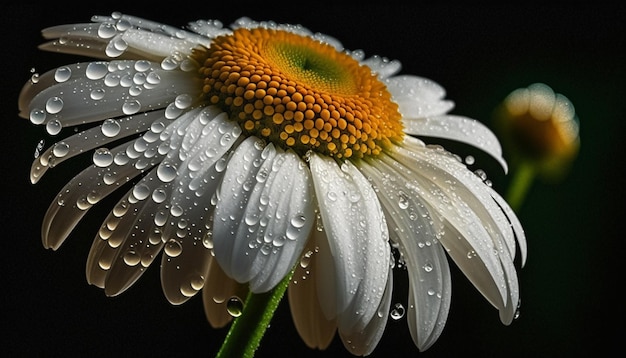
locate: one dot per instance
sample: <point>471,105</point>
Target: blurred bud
<point>540,128</point>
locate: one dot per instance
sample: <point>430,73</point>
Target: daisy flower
<point>539,126</point>
<point>259,150</point>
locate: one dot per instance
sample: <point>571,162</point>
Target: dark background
<point>571,286</point>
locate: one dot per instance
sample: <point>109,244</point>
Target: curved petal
<point>452,174</point>
<point>126,244</point>
<point>458,128</point>
<point>363,342</point>
<point>92,185</point>
<point>219,290</point>
<point>357,241</point>
<point>316,331</point>
<point>121,36</point>
<point>264,214</point>
<point>416,230</point>
<point>107,90</point>
<point>463,235</point>
<point>195,163</point>
<point>96,137</point>
<point>418,97</point>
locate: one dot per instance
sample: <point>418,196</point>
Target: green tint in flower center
<point>308,66</point>
<point>299,93</point>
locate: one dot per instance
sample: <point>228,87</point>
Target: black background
<point>570,287</point>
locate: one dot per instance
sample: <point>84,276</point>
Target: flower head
<point>253,150</point>
<point>540,127</point>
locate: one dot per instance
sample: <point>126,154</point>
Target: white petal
<point>499,221</point>
<point>316,331</point>
<point>122,36</point>
<point>93,138</point>
<point>383,67</point>
<point>264,214</point>
<point>290,213</point>
<point>415,230</point>
<point>515,223</point>
<point>232,198</point>
<point>99,90</point>
<point>462,129</point>
<point>186,255</point>
<point>465,238</point>
<point>363,342</point>
<point>418,97</point>
<point>357,240</point>
<point>126,243</point>
<point>91,186</point>
<point>453,175</point>
<point>218,291</point>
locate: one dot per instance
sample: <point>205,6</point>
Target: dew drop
<point>110,128</point>
<point>197,282</point>
<point>183,101</point>
<point>469,160</point>
<point>34,78</point>
<point>37,116</point>
<point>60,149</point>
<point>279,241</point>
<point>102,157</point>
<point>397,312</point>
<point>306,259</point>
<point>132,258</point>
<point>298,221</point>
<point>131,107</point>
<point>159,195</point>
<point>97,94</point>
<point>62,74</point>
<point>39,148</point>
<point>173,248</point>
<point>104,263</point>
<point>166,172</point>
<point>96,70</point>
<point>234,306</point>
<point>54,105</point>
<point>106,30</point>
<point>54,127</point>
<point>153,79</point>
<point>207,240</point>
<point>116,47</point>
<point>403,200</point>
<point>141,191</point>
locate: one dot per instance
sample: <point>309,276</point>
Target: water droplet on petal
<point>102,157</point>
<point>62,74</point>
<point>110,128</point>
<point>131,258</point>
<point>37,116</point>
<point>106,30</point>
<point>60,149</point>
<point>306,259</point>
<point>166,172</point>
<point>131,107</point>
<point>54,127</point>
<point>54,105</point>
<point>96,70</point>
<point>234,306</point>
<point>173,248</point>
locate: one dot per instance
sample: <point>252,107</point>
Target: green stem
<point>521,182</point>
<point>247,330</point>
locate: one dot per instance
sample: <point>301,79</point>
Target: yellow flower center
<point>299,93</point>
